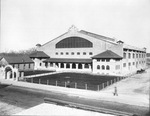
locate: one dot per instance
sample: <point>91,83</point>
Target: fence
<point>77,85</point>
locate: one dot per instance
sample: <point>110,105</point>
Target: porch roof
<point>107,54</point>
<point>68,60</point>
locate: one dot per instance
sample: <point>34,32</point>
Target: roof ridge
<point>94,34</point>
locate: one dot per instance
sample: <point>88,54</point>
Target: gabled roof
<point>16,59</point>
<point>68,60</point>
<point>38,54</point>
<point>96,35</point>
<point>107,54</point>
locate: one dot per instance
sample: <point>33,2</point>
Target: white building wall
<point>112,64</point>
<point>98,47</point>
<point>133,61</point>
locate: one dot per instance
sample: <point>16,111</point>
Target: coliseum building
<point>85,51</point>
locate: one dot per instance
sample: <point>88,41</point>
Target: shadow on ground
<point>3,85</point>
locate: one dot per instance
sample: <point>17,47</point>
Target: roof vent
<point>38,45</point>
<point>120,42</point>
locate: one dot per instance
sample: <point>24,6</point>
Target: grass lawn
<point>80,79</point>
<point>34,72</point>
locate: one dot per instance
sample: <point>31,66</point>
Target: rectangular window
<point>67,53</point>
<point>129,64</point>
<point>124,64</point>
<point>98,60</point>
<point>124,55</point>
<point>46,64</point>
<point>133,55</point>
<point>61,53</point>
<point>107,60</point>
<point>84,53</point>
<point>56,53</point>
<point>129,55</point>
<point>78,53</point>
<point>72,53</point>
<point>103,60</point>
<point>90,53</point>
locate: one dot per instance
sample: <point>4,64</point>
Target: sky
<point>25,23</point>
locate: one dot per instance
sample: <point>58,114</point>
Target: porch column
<point>83,66</point>
<point>70,65</point>
<point>54,65</point>
<point>90,67</point>
<point>48,64</point>
<point>64,65</point>
<point>58,65</point>
<point>77,66</point>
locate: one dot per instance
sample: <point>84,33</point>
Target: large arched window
<point>74,42</point>
<point>98,66</point>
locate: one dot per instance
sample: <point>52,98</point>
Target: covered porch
<point>69,64</point>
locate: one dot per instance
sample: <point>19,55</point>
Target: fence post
<point>65,84</point>
<point>47,82</point>
<point>39,81</point>
<point>107,83</point>
<point>75,85</point>
<point>111,82</point>
<point>102,85</point>
<point>86,86</point>
<point>98,87</point>
<point>56,83</point>
<point>114,80</point>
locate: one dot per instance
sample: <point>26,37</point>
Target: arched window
<point>98,66</point>
<point>107,67</point>
<point>67,65</point>
<point>80,66</point>
<point>86,65</point>
<point>103,67</point>
<point>62,65</point>
<point>73,65</point>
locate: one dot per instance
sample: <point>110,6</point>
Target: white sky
<point>24,23</point>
